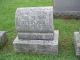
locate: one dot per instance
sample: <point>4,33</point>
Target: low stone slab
<point>3,38</point>
<point>67,14</point>
<point>77,43</point>
<point>34,19</point>
<point>37,46</point>
<point>36,36</point>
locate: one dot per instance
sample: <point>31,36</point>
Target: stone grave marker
<point>77,43</point>
<point>35,31</point>
<point>3,38</point>
<point>67,8</point>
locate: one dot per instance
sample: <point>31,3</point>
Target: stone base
<point>77,43</point>
<point>67,14</point>
<point>37,46</point>
<point>36,36</point>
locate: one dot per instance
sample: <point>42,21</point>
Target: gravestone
<point>77,43</point>
<point>34,26</point>
<point>3,38</point>
<point>67,8</point>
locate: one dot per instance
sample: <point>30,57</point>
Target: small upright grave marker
<point>3,38</point>
<point>35,30</point>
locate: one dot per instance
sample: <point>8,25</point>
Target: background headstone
<point>70,8</point>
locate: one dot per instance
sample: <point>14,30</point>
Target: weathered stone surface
<point>34,26</point>
<point>3,38</point>
<point>38,46</point>
<point>77,43</point>
<point>34,19</point>
<point>67,14</point>
<point>67,8</point>
<point>35,36</point>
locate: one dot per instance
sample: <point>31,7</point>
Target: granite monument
<point>35,31</point>
<point>67,8</point>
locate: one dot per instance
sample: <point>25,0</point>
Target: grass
<point>65,26</point>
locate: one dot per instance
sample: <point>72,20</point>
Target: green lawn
<point>65,26</point>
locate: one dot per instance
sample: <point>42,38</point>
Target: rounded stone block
<point>34,19</point>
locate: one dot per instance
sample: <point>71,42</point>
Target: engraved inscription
<point>34,20</point>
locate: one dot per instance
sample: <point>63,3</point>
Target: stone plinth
<point>38,46</point>
<point>36,36</point>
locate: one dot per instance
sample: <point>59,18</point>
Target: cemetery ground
<point>65,26</point>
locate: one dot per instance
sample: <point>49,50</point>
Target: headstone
<point>34,20</point>
<point>67,8</point>
<point>3,38</point>
<point>77,43</point>
<point>35,31</point>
